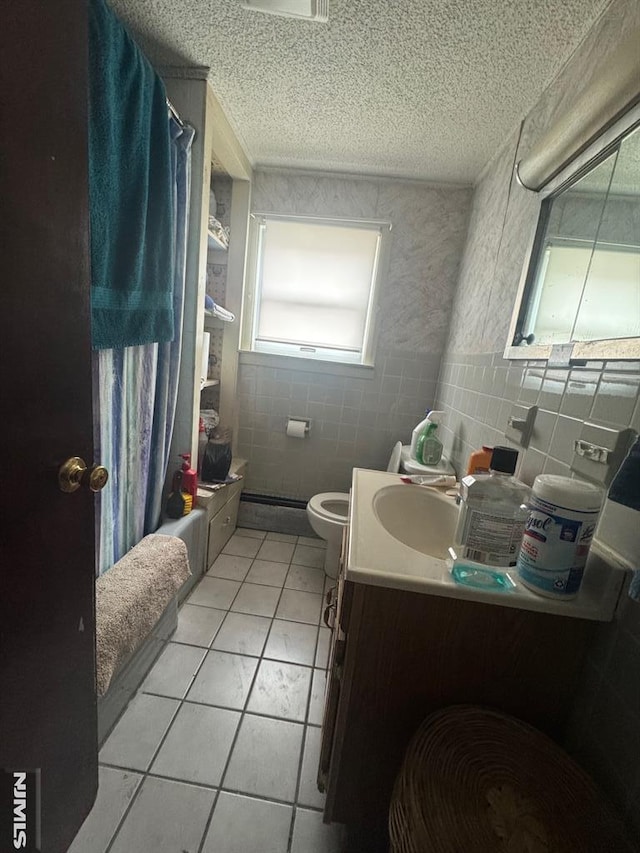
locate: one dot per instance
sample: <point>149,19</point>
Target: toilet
<point>328,511</point>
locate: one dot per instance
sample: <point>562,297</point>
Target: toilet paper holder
<point>293,420</point>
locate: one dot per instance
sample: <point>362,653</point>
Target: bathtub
<point>192,529</point>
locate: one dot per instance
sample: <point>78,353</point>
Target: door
<point>47,629</point>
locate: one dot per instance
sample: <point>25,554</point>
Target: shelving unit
<point>217,256</point>
<point>221,505</point>
<point>215,150</point>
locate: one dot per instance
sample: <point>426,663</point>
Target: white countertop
<point>377,558</point>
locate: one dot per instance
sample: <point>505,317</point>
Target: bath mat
<point>131,597</point>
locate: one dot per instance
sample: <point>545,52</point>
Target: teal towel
<point>130,190</point>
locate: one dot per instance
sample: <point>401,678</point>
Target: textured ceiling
<point>415,88</point>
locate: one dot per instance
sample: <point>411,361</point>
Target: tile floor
<point>218,751</point>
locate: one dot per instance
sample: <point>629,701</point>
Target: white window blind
<point>314,287</point>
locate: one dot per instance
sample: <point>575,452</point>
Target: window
<point>312,288</point>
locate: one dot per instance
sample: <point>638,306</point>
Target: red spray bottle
<point>189,477</point>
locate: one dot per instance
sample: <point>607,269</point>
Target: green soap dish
<point>480,578</point>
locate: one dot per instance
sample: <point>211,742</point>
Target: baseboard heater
<point>273,500</point>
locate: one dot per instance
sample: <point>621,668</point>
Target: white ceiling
<point>423,89</point>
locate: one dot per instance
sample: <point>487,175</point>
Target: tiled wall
<point>357,414</point>
<point>355,421</point>
<point>477,388</point>
<point>478,391</point>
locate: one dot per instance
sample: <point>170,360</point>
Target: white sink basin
<point>399,536</point>
<point>420,518</point>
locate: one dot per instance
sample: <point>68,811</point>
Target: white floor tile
<point>197,746</point>
<point>215,592</point>
<point>316,704</point>
<point>169,816</point>
<point>267,572</point>
<point>243,634</point>
<point>324,643</point>
<point>305,579</point>
<point>278,552</point>
<point>304,555</point>
<point>249,531</point>
<point>312,542</point>
<point>224,679</point>
<point>244,825</point>
<point>197,625</point>
<point>115,790</point>
<point>166,817</point>
<point>299,606</point>
<point>256,600</point>
<point>293,642</point>
<point>230,567</point>
<point>282,537</point>
<point>311,835</point>
<point>242,546</point>
<point>281,690</point>
<point>265,758</point>
<point>139,731</point>
<point>308,793</point>
<point>172,673</point>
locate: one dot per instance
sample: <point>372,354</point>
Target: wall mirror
<point>579,295</point>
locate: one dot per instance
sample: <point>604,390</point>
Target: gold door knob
<point>74,473</point>
<point>98,476</point>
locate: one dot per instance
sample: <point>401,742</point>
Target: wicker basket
<point>476,781</point>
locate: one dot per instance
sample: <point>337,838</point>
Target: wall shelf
<point>214,242</point>
<point>211,319</point>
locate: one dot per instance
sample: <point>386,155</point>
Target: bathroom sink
<point>398,537</point>
<point>421,518</point>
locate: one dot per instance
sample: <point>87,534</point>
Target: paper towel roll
<point>296,429</point>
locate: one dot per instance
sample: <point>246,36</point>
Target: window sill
<point>307,365</point>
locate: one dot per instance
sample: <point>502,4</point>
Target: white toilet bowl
<point>328,512</point>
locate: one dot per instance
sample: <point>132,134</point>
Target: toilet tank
<point>410,466</point>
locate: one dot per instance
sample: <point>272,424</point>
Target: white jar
<point>562,518</point>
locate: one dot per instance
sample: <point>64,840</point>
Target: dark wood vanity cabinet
<point>396,656</point>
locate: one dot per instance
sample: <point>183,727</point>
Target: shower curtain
<point>135,400</point>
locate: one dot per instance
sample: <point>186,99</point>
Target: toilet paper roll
<point>296,429</point>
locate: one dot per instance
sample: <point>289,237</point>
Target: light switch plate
<point>520,424</point>
<point>610,445</point>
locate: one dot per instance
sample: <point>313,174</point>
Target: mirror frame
<point>571,351</point>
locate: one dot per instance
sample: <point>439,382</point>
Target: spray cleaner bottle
<point>432,417</point>
<point>429,447</point>
<point>189,478</point>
